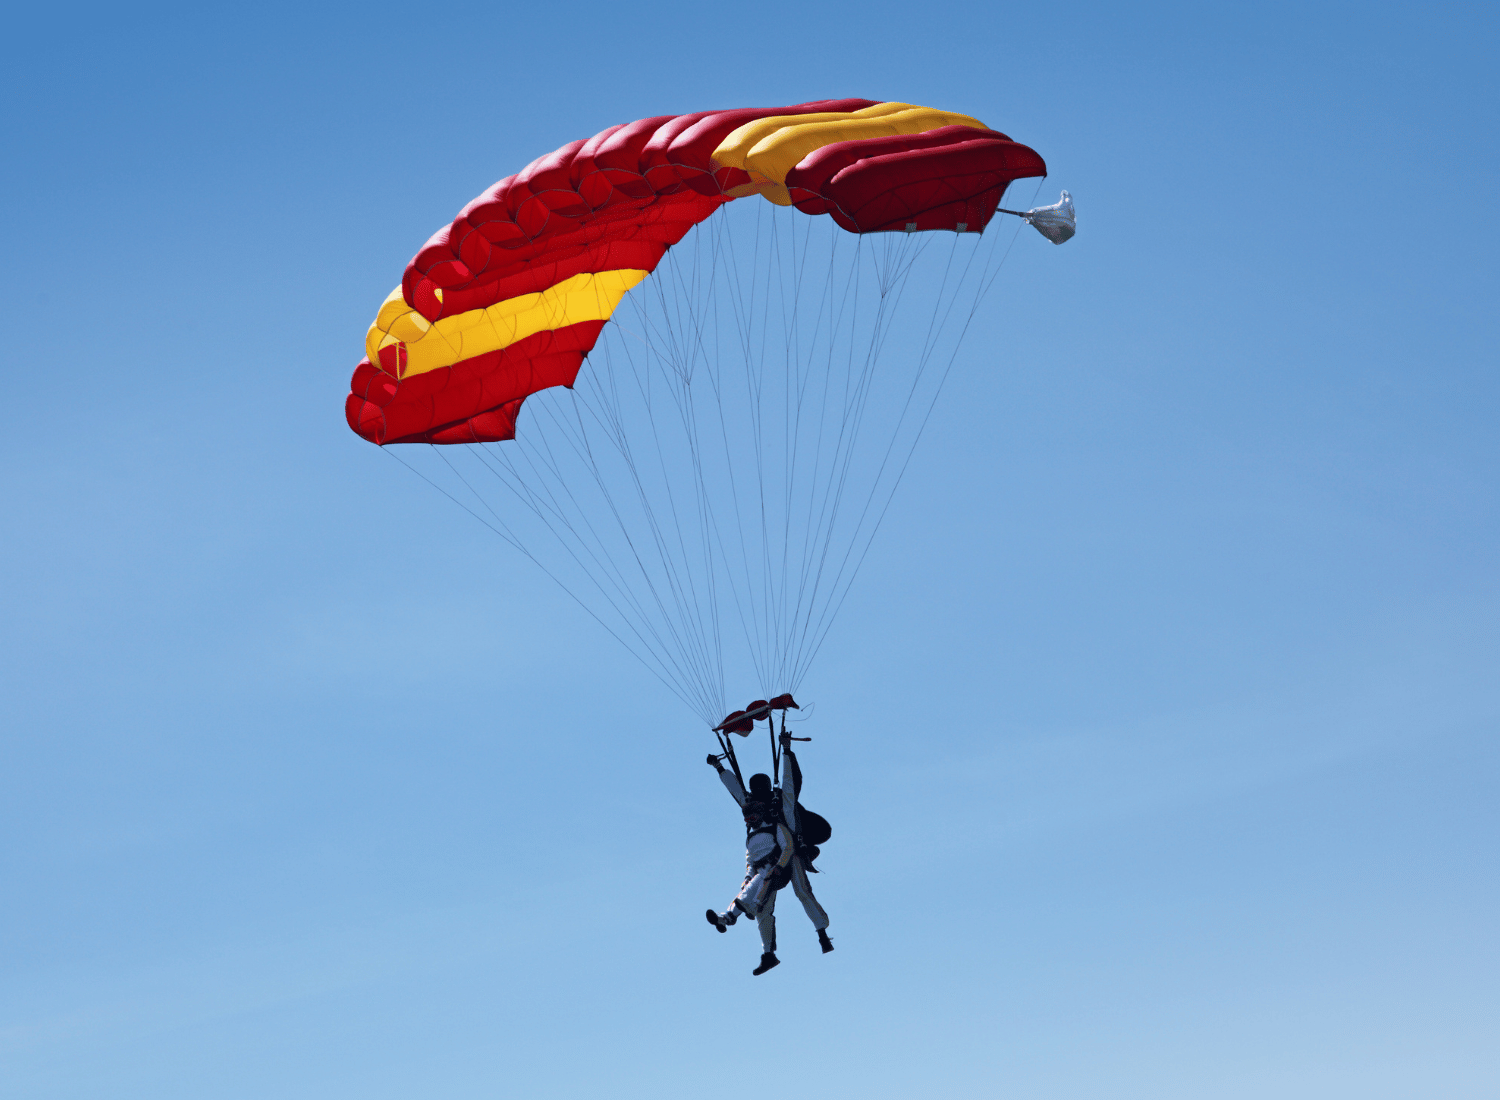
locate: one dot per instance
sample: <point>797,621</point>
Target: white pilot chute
<point>1057,222</point>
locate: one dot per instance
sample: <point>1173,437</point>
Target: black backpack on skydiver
<point>814,830</point>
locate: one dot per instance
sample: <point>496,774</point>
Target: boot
<point>823,941</point>
<point>716,920</point>
<point>767,961</point>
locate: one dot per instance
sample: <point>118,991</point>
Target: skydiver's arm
<point>788,845</point>
<point>791,784</point>
<point>730,780</point>
<point>792,776</point>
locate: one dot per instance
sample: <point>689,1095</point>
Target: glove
<point>713,762</point>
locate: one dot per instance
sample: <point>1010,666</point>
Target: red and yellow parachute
<point>510,298</point>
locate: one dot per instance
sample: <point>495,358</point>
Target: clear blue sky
<point>1159,736</point>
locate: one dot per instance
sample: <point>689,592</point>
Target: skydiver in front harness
<point>771,857</point>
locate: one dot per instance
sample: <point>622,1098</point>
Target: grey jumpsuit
<point>755,896</point>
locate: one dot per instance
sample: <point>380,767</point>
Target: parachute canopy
<point>709,487</point>
<point>510,298</point>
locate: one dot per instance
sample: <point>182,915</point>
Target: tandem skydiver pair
<point>781,842</point>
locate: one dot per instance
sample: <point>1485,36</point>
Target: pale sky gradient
<point>1158,736</point>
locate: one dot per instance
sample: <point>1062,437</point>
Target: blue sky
<point>1158,735</point>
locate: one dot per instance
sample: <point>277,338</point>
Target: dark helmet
<point>760,787</point>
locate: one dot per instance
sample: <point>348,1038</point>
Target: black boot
<point>716,920</point>
<point>823,941</point>
<point>767,961</point>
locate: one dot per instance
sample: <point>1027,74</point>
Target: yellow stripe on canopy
<point>769,148</point>
<point>430,345</point>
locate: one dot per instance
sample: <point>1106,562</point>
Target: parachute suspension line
<point>755,637</point>
<point>680,578</point>
<point>499,528</point>
<point>735,440</point>
<point>893,261</point>
<point>688,606</point>
<point>682,358</point>
<point>558,522</point>
<point>784,594</point>
<point>894,281</point>
<point>745,314</point>
<point>707,670</point>
<point>772,623</point>
<point>825,521</point>
<point>756,624</point>
<point>792,409</point>
<point>724,241</point>
<point>692,426</point>
<point>553,508</point>
<point>707,522</point>
<point>553,513</point>
<point>809,527</point>
<point>700,363</point>
<point>652,589</point>
<point>893,275</point>
<point>728,747</point>
<point>986,280</point>
<point>773,304</point>
<point>775,756</point>
<point>804,375</point>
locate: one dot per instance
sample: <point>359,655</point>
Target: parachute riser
<point>775,748</point>
<point>728,754</point>
<point>743,722</point>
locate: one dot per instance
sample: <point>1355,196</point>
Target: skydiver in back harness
<point>803,854</point>
<point>771,857</point>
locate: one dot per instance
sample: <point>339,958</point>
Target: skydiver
<point>771,857</point>
<point>802,856</point>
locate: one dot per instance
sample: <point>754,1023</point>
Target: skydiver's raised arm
<point>785,837</point>
<point>791,783</point>
<point>729,779</point>
<point>792,776</point>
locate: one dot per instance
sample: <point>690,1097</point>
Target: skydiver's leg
<point>765,921</point>
<point>744,902</point>
<point>749,899</point>
<point>803,889</point>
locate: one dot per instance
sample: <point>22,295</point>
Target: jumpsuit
<point>762,861</point>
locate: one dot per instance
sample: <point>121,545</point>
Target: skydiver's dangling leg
<point>756,900</point>
<point>754,891</point>
<point>815,913</point>
<point>748,901</point>
<point>729,917</point>
<point>765,921</point>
